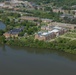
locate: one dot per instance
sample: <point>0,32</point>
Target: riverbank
<point>61,44</point>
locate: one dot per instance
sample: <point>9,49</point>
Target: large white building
<point>1,4</point>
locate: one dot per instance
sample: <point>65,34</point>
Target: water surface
<point>28,61</point>
<point>2,26</point>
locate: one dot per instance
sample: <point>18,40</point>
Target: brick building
<point>50,34</point>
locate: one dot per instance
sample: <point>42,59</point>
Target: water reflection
<point>71,57</point>
<point>33,61</point>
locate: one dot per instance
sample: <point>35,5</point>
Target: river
<point>31,61</point>
<point>2,26</point>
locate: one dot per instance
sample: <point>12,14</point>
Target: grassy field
<point>69,35</point>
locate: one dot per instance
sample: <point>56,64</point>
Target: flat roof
<point>55,30</point>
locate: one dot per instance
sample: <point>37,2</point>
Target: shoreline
<point>44,45</point>
<point>45,49</point>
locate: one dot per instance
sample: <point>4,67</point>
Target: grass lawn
<point>70,34</point>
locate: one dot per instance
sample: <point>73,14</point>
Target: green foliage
<point>57,2</point>
<point>48,9</point>
<point>21,33</point>
<point>68,20</point>
<point>2,40</point>
<point>1,32</point>
<point>44,14</point>
<point>61,44</point>
<point>16,15</point>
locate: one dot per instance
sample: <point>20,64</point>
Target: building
<point>29,18</point>
<point>46,28</point>
<point>1,4</point>
<point>13,33</point>
<point>46,20</point>
<point>73,11</point>
<point>57,10</point>
<point>66,16</point>
<point>14,1</point>
<point>45,36</point>
<point>55,32</point>
<point>7,35</point>
<point>63,25</point>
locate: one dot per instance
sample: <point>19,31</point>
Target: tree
<point>1,32</point>
<point>2,39</point>
<point>21,33</point>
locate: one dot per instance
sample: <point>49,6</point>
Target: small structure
<point>7,35</point>
<point>46,20</point>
